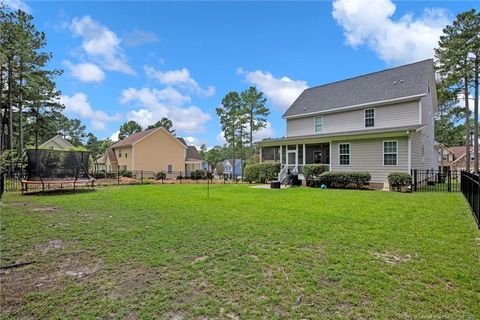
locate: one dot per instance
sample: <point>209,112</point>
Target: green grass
<point>166,251</point>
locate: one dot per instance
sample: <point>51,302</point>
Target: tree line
<point>457,64</point>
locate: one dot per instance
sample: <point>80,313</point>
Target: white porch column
<point>281,155</point>
<point>260,151</point>
<point>304,154</point>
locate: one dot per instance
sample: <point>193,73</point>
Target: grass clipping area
<point>168,251</point>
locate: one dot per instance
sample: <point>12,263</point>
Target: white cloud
<point>114,136</point>
<point>403,40</point>
<point>167,102</point>
<point>18,5</point>
<point>85,72</point>
<point>281,92</point>
<point>266,132</point>
<point>101,44</point>
<point>194,141</point>
<point>78,105</point>
<point>139,37</point>
<point>179,78</point>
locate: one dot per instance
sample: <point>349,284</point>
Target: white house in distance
<point>381,122</point>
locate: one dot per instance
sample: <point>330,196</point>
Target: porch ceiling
<point>339,136</point>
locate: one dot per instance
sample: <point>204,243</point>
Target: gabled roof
<point>401,82</point>
<point>193,154</point>
<point>230,161</point>
<point>59,141</point>
<point>459,153</point>
<point>111,155</point>
<point>136,137</point>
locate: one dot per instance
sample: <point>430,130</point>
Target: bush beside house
<point>261,172</point>
<point>344,179</point>
<point>399,181</point>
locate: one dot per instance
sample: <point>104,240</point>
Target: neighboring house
<point>380,122</point>
<point>153,150</point>
<point>458,159</point>
<point>100,163</point>
<point>228,168</point>
<point>56,143</point>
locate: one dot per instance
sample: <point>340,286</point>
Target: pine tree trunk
<point>467,126</point>
<point>20,113</point>
<point>233,160</point>
<point>475,117</point>
<point>251,134</point>
<point>10,114</point>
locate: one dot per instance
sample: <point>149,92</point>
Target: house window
<point>119,153</point>
<point>390,153</point>
<point>123,168</point>
<point>169,168</point>
<point>423,153</point>
<point>318,123</point>
<point>344,154</point>
<point>125,154</point>
<point>369,118</point>
<point>445,157</point>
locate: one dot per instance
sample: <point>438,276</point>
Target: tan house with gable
<point>153,150</point>
<point>56,143</point>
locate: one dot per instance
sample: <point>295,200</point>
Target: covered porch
<point>293,156</point>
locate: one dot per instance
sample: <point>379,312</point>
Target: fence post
<point>449,178</point>
<point>141,176</point>
<point>118,175</point>
<point>415,180</point>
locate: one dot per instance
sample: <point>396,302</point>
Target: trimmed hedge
<point>198,175</point>
<point>160,175</point>
<point>261,172</point>
<point>343,179</point>
<point>100,175</point>
<point>127,174</point>
<point>313,171</point>
<point>399,180</point>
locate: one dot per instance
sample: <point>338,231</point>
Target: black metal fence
<point>470,187</point>
<point>435,180</point>
<point>13,183</point>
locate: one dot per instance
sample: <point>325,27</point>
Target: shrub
<point>160,175</point>
<point>100,175</point>
<point>198,174</point>
<point>313,171</point>
<point>179,177</point>
<point>127,174</point>
<point>359,178</point>
<point>399,180</point>
<point>343,179</point>
<point>261,172</point>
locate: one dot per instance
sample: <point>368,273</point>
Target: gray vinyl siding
<point>394,115</point>
<point>367,155</point>
<point>425,137</point>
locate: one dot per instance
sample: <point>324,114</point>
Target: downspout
<point>409,152</point>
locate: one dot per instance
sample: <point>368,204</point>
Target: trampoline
<point>48,170</point>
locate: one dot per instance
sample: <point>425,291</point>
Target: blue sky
<point>144,60</point>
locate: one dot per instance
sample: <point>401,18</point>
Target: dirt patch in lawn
<point>391,258</point>
<point>45,275</point>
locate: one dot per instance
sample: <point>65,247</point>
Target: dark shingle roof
<point>399,82</point>
<point>192,153</point>
<point>182,141</point>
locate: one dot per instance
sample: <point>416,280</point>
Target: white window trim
<point>349,154</point>
<point>383,154</point>
<point>365,117</point>
<point>315,124</point>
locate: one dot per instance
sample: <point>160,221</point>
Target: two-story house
<point>153,150</point>
<point>381,122</point>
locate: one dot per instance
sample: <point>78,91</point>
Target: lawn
<point>166,251</point>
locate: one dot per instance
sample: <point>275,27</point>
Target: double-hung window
<point>318,123</point>
<point>390,153</point>
<point>369,118</point>
<point>344,154</point>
